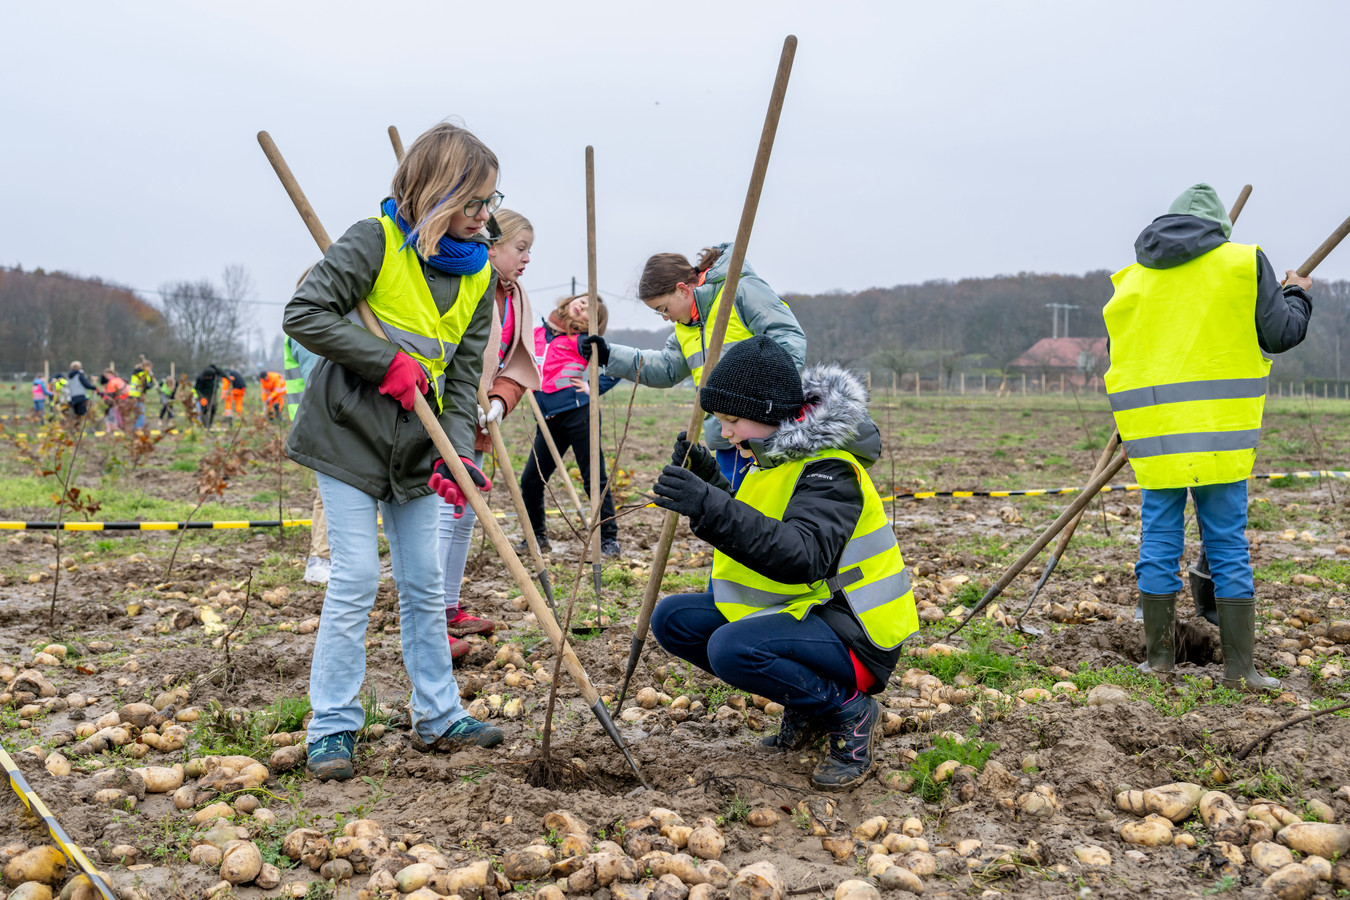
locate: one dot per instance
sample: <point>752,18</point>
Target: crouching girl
<point>810,597</point>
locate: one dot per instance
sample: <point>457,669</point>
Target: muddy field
<point>1052,726</point>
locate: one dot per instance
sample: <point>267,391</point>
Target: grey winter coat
<point>762,311</point>
<point>345,427</point>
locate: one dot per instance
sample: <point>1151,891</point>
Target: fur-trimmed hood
<point>834,418</point>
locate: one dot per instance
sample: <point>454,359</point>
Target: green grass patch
<point>1174,699</point>
<point>972,752</point>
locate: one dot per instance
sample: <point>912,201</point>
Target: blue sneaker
<point>467,732</point>
<point>330,757</point>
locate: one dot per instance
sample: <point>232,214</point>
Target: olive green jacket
<point>345,427</point>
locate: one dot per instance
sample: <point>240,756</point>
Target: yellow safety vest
<point>295,379</point>
<point>403,303</point>
<point>691,336</point>
<point>871,571</point>
<point>1187,381</point>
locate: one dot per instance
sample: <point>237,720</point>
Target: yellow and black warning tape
<point>151,526</point>
<point>34,803</point>
<point>1046,492</point>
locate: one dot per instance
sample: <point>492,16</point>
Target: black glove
<point>681,490</point>
<point>701,460</point>
<point>584,342</point>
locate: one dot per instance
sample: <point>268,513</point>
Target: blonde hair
<point>511,224</point>
<point>436,178</point>
<point>577,325</point>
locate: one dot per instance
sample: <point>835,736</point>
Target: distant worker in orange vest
<point>232,392</point>
<point>274,392</point>
<point>114,389</point>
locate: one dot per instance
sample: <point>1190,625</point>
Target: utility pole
<point>1054,318</point>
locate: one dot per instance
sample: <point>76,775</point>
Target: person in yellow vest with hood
<point>1189,324</point>
<point>810,596</point>
<point>689,296</point>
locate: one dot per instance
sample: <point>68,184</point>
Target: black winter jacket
<point>822,513</point>
<point>1281,313</point>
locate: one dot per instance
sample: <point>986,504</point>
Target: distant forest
<point>941,328</point>
<point>938,328</point>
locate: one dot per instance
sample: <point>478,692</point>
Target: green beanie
<point>1202,201</point>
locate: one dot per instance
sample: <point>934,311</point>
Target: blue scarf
<point>452,256</point>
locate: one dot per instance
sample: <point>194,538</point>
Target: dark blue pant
<point>1222,512</point>
<point>803,665</point>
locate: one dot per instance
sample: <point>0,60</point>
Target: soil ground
<point>115,609</point>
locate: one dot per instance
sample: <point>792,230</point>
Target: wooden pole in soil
<point>558,464</point>
<point>517,500</point>
<point>1102,461</point>
<point>714,347</point>
<point>451,456</point>
<point>1079,503</point>
<point>397,142</point>
<point>593,371</point>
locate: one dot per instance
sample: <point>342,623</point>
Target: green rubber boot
<point>1237,633</point>
<point>1160,633</point>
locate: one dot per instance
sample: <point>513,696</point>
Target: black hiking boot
<point>852,746</point>
<point>795,732</point>
<point>1160,633</point>
<point>1237,633</point>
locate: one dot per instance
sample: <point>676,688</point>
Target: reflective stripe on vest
<point>295,378</point>
<point>1187,381</point>
<point>692,342</point>
<point>407,312</point>
<point>871,571</point>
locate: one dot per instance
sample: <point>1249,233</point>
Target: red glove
<point>404,380</point>
<point>444,484</point>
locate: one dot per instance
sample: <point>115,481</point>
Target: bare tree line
<point>54,317</point>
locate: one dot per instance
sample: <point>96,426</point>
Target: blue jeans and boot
<point>804,665</point>
<point>1221,512</point>
<point>338,668</point>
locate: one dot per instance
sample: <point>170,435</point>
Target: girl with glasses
<point>423,268</point>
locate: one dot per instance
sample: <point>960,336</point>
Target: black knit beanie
<point>755,379</point>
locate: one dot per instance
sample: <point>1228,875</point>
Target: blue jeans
<point>733,466</point>
<point>339,664</point>
<point>456,535</point>
<point>1222,511</point>
<point>803,665</point>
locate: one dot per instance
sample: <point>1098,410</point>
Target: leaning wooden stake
<point>509,476</point>
<point>1080,503</point>
<point>1105,457</point>
<point>451,456</point>
<point>1321,252</point>
<point>593,372</point>
<point>397,142</point>
<point>558,464</point>
<point>714,348</point>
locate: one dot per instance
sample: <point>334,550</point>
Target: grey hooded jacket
<point>1195,225</point>
<point>345,427</point>
<point>762,311</point>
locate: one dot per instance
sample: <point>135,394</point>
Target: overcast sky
<point>918,140</point>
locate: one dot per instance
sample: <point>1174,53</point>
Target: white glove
<point>496,409</point>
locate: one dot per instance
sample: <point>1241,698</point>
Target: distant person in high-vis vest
<point>810,596</point>
<point>1189,325</point>
<point>422,267</point>
<point>689,296</point>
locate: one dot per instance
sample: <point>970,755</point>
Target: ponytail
<point>665,270</point>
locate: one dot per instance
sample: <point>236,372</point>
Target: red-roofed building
<point>1082,361</point>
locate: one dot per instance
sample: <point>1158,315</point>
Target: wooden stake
<point>1240,202</point>
<point>593,369</point>
<point>397,142</point>
<point>714,348</point>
